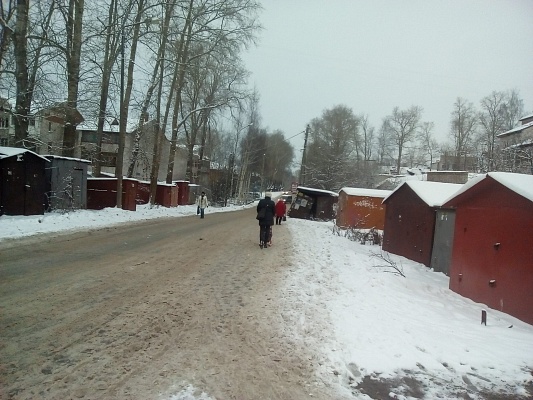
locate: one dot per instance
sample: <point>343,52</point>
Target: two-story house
<point>50,128</point>
<point>517,147</point>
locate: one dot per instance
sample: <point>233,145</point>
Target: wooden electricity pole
<point>301,179</point>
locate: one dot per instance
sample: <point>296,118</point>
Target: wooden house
<point>492,256</point>
<point>361,208</point>
<point>22,182</point>
<point>410,218</point>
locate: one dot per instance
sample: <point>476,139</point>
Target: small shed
<point>167,194</point>
<point>66,180</point>
<point>361,208</point>
<point>492,257</point>
<point>314,204</point>
<point>143,192</point>
<point>183,192</point>
<point>22,182</point>
<point>102,193</point>
<point>410,218</point>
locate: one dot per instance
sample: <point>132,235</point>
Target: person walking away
<point>267,220</point>
<point>281,209</point>
<point>202,204</point>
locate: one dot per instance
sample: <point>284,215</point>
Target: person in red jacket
<point>281,209</point>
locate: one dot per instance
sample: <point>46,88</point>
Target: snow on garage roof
<point>306,190</point>
<point>433,194</point>
<point>365,192</point>
<point>13,151</point>
<point>521,184</point>
<point>67,158</point>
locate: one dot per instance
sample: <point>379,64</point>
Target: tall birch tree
<point>401,127</point>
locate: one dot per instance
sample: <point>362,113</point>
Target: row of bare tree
<point>176,60</point>
<point>342,144</point>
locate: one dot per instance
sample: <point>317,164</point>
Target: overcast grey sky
<point>373,55</point>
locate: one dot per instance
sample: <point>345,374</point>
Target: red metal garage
<point>361,208</point>
<point>410,218</point>
<point>492,256</point>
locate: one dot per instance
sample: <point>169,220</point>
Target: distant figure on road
<point>266,222</point>
<point>281,209</point>
<point>202,203</point>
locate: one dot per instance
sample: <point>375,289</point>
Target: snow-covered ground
<point>381,323</point>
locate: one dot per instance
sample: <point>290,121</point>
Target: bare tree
<point>36,50</point>
<point>383,146</point>
<point>513,109</point>
<point>492,120</point>
<point>107,64</point>
<point>367,138</point>
<point>428,141</point>
<point>249,144</point>
<point>159,132</point>
<point>72,15</point>
<point>463,126</point>
<point>401,126</point>
<point>218,31</point>
<point>180,69</point>
<point>6,14</point>
<point>116,31</point>
<point>23,99</point>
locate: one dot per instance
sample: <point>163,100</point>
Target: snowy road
<point>142,311</point>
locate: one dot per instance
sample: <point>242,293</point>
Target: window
<point>49,127</point>
<point>3,142</point>
<point>88,137</point>
<point>4,121</point>
<point>50,147</point>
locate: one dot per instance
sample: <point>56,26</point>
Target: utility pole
<point>122,126</point>
<point>301,179</point>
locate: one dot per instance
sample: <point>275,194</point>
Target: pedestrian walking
<point>281,209</point>
<point>202,204</point>
<point>265,214</point>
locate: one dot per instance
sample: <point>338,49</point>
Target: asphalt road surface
<point>140,311</point>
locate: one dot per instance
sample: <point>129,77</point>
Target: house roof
<point>58,113</point>
<point>433,194</point>
<point>514,130</point>
<point>521,184</point>
<point>308,190</point>
<point>6,152</point>
<point>365,192</point>
<point>526,117</point>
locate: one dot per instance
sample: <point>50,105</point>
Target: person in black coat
<point>267,221</point>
